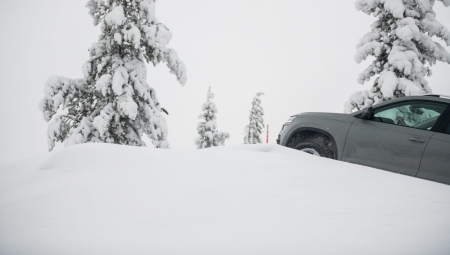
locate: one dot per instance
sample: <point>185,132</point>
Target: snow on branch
<point>113,102</point>
<point>208,135</point>
<point>401,42</point>
<point>175,65</point>
<point>253,131</point>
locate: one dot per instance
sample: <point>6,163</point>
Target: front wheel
<point>315,149</point>
<point>316,145</point>
<point>311,151</point>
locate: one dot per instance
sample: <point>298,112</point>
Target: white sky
<point>299,53</point>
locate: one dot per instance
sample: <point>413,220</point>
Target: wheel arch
<point>315,131</point>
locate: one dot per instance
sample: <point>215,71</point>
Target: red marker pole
<point>267,135</point>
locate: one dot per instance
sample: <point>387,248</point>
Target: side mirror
<point>366,113</point>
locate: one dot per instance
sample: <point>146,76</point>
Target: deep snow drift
<point>250,199</point>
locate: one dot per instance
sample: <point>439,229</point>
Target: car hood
<point>328,115</point>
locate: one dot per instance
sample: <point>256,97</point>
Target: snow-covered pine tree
<point>208,136</point>
<point>401,42</point>
<point>253,130</point>
<point>113,103</point>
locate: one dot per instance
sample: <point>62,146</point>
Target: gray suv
<point>409,135</point>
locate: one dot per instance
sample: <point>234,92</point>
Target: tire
<point>315,146</point>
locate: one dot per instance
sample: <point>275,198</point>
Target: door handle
<point>417,140</point>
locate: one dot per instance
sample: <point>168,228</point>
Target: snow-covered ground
<point>250,199</point>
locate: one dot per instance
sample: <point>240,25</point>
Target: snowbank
<point>251,199</point>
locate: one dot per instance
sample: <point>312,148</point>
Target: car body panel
<point>435,165</point>
<point>385,146</point>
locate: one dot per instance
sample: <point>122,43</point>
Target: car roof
<point>428,97</point>
<point>437,95</point>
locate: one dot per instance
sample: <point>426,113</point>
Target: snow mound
<point>249,199</point>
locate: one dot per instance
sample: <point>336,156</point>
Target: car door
<point>395,135</point>
<point>435,163</point>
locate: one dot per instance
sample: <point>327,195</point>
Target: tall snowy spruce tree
<point>113,103</point>
<point>208,136</point>
<point>253,130</point>
<point>401,42</point>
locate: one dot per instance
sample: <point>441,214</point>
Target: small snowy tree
<point>113,103</point>
<point>401,42</point>
<point>253,130</point>
<point>208,136</point>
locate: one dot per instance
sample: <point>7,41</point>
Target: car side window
<point>414,114</point>
<point>448,129</point>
